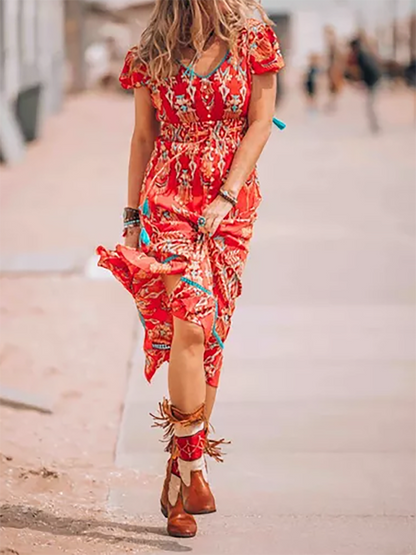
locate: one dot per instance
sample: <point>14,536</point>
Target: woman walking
<point>204,85</point>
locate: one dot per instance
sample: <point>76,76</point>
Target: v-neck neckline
<point>191,71</point>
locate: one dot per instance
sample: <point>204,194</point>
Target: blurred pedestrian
<point>368,70</point>
<point>204,80</point>
<point>311,83</point>
<point>335,68</point>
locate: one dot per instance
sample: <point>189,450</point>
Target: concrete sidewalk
<point>318,387</point>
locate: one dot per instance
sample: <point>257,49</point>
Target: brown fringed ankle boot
<point>180,523</point>
<point>190,439</point>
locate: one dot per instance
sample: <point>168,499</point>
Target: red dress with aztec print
<point>202,122</point>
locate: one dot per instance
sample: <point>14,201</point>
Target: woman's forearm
<point>247,155</point>
<point>140,153</point>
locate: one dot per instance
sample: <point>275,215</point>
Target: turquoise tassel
<point>280,124</point>
<point>144,237</point>
<point>146,208</point>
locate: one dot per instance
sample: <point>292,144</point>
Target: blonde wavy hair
<point>177,25</point>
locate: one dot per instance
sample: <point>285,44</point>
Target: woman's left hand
<point>214,214</point>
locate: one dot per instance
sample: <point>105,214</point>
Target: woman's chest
<point>189,97</point>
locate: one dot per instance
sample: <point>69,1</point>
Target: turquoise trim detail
<point>190,71</point>
<point>201,288</point>
<point>218,338</point>
<point>214,331</point>
<point>141,319</point>
<point>144,238</point>
<point>279,123</point>
<point>195,284</point>
<point>146,208</point>
<point>170,258</point>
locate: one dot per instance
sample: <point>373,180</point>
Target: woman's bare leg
<point>186,376</point>
<point>211,393</point>
<point>188,392</point>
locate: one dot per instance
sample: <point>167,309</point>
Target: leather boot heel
<point>198,498</point>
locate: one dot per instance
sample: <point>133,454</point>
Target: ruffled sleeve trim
<point>264,53</point>
<point>133,75</point>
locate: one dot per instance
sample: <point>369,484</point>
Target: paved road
<point>318,388</point>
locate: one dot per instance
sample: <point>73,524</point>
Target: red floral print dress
<point>203,119</point>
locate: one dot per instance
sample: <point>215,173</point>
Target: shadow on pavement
<point>19,516</point>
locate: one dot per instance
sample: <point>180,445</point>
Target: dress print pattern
<point>202,122</point>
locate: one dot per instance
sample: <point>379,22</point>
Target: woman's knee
<point>189,335</point>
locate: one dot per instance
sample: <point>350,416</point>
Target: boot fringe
<point>213,449</point>
<point>213,446</point>
<point>168,416</point>
<point>162,419</point>
<point>171,448</point>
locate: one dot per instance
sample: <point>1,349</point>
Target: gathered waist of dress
<point>196,132</point>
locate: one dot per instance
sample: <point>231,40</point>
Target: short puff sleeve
<point>263,49</point>
<point>134,74</point>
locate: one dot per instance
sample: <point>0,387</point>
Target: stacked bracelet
<point>229,197</point>
<point>131,218</point>
<point>131,214</point>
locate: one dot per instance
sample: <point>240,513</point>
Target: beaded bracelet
<point>132,223</point>
<point>130,214</point>
<point>228,197</point>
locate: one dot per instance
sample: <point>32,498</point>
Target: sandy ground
<point>57,469</point>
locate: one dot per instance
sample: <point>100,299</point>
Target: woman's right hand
<point>132,237</point>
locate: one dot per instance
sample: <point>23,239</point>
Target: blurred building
<point>32,49</point>
<point>111,28</point>
<point>31,69</point>
<point>131,15</point>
